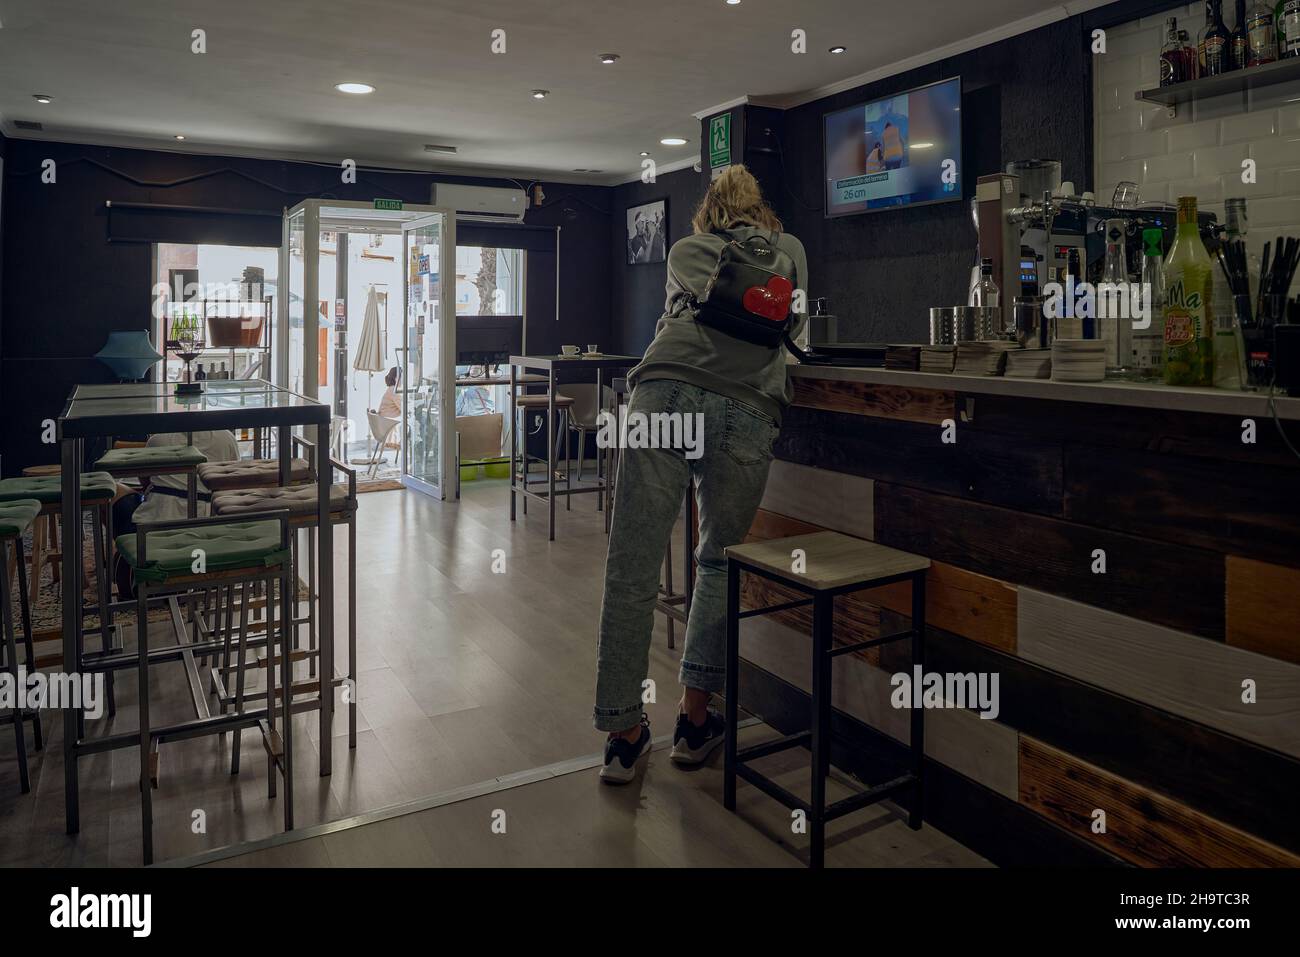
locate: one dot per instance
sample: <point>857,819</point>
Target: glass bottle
<point>1212,45</point>
<point>1149,342</point>
<point>985,292</point>
<point>1262,34</point>
<point>1111,311</point>
<point>1189,296</point>
<point>1191,63</point>
<point>1229,344</point>
<point>1172,68</point>
<point>1286,17</point>
<point>1239,41</point>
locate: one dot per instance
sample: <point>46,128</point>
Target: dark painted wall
<point>66,287</point>
<point>637,299</point>
<point>882,271</point>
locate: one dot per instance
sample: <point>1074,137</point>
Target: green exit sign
<point>720,141</point>
<point>388,204</point>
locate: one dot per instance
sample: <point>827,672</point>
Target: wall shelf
<point>1238,81</point>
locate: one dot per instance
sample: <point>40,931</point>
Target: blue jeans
<point>729,465</point>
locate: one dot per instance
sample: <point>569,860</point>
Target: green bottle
<point>1189,293</point>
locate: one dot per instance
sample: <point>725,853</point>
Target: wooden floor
<point>466,676</point>
<point>668,817</point>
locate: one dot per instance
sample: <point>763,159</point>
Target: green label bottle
<point>1189,291</point>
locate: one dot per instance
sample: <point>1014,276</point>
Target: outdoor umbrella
<point>370,354</point>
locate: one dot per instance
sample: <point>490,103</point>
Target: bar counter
<point>1125,558</point>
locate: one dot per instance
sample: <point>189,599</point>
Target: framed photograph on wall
<point>647,232</point>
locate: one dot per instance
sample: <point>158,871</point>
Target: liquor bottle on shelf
<point>1212,45</point>
<point>1191,62</point>
<point>985,292</point>
<point>1173,68</point>
<point>1286,17</point>
<point>1262,34</point>
<point>1239,41</point>
<point>1189,297</point>
<point>1149,343</point>
<point>1229,334</point>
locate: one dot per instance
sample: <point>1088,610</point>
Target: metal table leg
<point>70,476</point>
<point>325,562</point>
<point>514,434</point>
<point>550,452</point>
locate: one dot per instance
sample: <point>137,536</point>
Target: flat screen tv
<point>895,151</point>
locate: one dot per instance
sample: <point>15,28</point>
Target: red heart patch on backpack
<point>771,301</point>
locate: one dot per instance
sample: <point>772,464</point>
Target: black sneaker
<point>621,755</point>
<point>692,743</point>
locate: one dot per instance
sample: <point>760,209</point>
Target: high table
<point>550,365</point>
<point>95,411</point>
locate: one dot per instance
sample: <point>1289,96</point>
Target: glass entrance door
<point>427,354</point>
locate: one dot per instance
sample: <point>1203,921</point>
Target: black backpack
<point>750,292</point>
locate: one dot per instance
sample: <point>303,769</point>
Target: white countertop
<point>1153,396</point>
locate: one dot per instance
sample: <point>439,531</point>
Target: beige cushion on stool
<point>250,473</point>
<point>300,500</point>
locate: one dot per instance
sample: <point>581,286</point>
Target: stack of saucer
<point>906,358</point>
<point>1078,360</point>
<point>938,358</point>
<point>983,356</point>
<point>1029,364</point>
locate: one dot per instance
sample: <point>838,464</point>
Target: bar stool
<point>98,490</point>
<point>832,564</point>
<point>300,502</point>
<point>563,408</point>
<point>15,518</point>
<point>236,551</point>
<point>45,540</point>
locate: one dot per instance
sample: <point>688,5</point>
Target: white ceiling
<point>121,73</point>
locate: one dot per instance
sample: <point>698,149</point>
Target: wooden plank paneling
<point>1170,584</point>
<point>1238,782</point>
<point>835,500</point>
<point>1023,473</point>
<point>1226,507</point>
<point>975,606</point>
<point>984,751</point>
<point>886,401</point>
<point>1164,668</point>
<point>1263,608</point>
<point>1165,431</point>
<point>1142,826</point>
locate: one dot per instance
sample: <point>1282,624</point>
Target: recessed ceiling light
<point>673,141</point>
<point>42,98</point>
<point>357,88</point>
<point>540,94</point>
<point>732,3</point>
<point>438,148</point>
<point>180,136</point>
<point>837,49</point>
<point>922,146</point>
<point>644,153</point>
<point>608,58</point>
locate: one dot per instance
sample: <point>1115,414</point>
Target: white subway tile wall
<point>1200,151</point>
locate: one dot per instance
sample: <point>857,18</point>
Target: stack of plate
<point>1078,360</point>
<point>983,356</point>
<point>1029,364</point>
<point>938,358</point>
<point>903,357</point>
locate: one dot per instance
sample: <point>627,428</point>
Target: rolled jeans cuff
<point>617,719</point>
<point>702,677</point>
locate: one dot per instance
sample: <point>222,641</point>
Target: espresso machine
<point>1037,232</point>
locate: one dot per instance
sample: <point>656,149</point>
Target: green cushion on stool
<point>47,489</point>
<point>152,456</point>
<point>169,553</point>
<point>16,516</point>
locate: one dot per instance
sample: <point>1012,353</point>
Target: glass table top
<point>124,389</point>
<point>104,410</point>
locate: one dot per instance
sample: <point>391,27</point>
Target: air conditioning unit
<point>486,203</point>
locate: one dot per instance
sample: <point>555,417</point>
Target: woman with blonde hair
<point>737,390</point>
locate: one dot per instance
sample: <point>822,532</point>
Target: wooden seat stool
<point>832,564</point>
<point>563,408</point>
<point>15,518</point>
